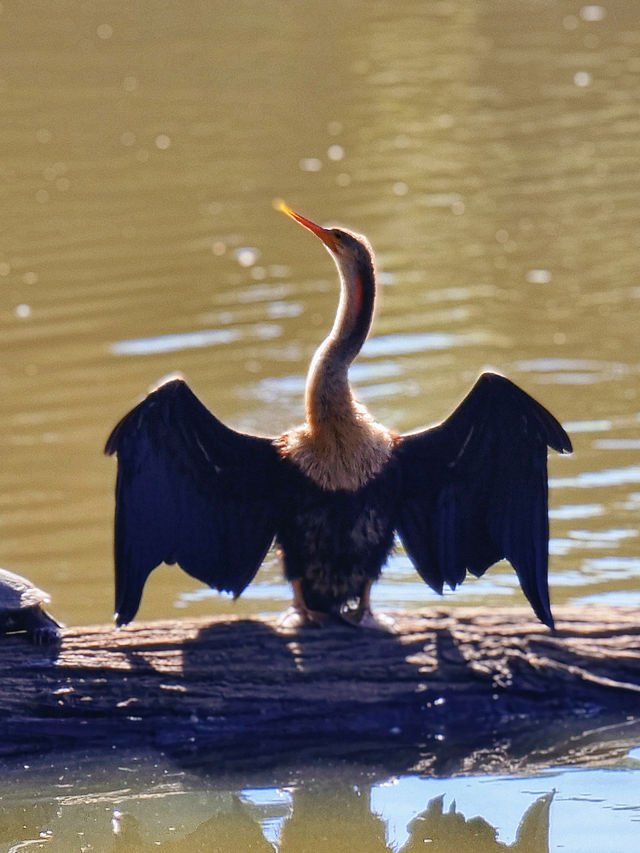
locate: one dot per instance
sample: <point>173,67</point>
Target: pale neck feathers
<point>348,452</point>
<point>340,446</point>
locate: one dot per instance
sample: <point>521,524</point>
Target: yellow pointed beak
<point>325,234</point>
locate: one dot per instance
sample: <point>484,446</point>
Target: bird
<point>336,492</point>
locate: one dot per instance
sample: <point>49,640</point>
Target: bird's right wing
<point>190,491</point>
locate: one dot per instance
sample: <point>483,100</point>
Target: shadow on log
<point>452,691</point>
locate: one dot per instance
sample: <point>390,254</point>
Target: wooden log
<point>245,691</point>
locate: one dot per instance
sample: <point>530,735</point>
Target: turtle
<point>21,610</point>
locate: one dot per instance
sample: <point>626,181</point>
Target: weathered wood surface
<point>240,688</point>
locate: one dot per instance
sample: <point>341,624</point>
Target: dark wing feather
<point>189,491</point>
<point>475,490</point>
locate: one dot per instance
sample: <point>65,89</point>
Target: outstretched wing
<point>475,490</point>
<point>189,491</point>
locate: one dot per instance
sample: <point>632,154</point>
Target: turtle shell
<point>17,593</point>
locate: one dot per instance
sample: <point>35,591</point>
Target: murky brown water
<point>489,151</point>
<point>125,805</point>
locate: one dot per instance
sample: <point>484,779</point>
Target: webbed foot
<point>364,617</point>
<point>296,617</point>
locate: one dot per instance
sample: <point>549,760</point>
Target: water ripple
<point>613,598</point>
<point>400,344</point>
<point>406,343</point>
<point>600,425</point>
<point>174,342</point>
<point>560,364</point>
<point>596,479</point>
<point>574,511</point>
<point>573,371</point>
<point>598,564</point>
<point>617,444</point>
<point>190,340</point>
<point>598,536</point>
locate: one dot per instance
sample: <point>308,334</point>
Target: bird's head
<point>349,250</point>
<point>354,258</point>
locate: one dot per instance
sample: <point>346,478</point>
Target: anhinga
<point>333,492</point>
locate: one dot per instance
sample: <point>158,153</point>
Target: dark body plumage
<point>335,541</point>
<point>333,493</point>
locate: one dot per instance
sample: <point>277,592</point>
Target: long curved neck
<point>328,395</point>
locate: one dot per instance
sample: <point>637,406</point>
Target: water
<point>488,150</point>
<point>134,806</point>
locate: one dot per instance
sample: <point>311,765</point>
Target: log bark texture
<point>241,689</point>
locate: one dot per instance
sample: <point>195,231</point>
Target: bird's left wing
<point>191,491</point>
<point>475,490</point>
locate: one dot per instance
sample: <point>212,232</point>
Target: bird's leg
<point>362,616</point>
<point>298,615</point>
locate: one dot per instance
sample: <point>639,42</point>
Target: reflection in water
<point>451,832</point>
<point>230,832</point>
<point>316,819</point>
<point>325,819</point>
<point>28,820</point>
<point>128,802</point>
